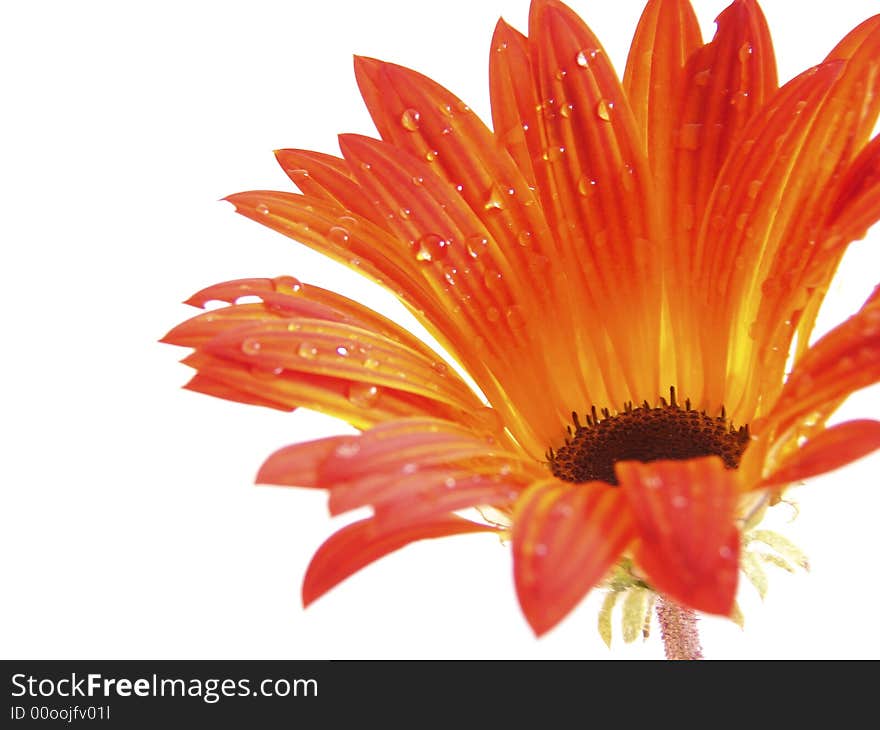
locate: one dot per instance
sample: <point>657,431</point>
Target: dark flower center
<point>645,434</point>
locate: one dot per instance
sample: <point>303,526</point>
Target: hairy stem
<point>678,626</point>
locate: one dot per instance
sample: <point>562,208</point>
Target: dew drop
<point>371,363</point>
<point>251,346</point>
<point>262,208</point>
<point>604,109</point>
<point>494,201</point>
<point>431,248</point>
<point>627,178</point>
<point>754,188</point>
<point>491,278</point>
<point>745,51</point>
<point>347,450</point>
<point>338,235</point>
<point>307,351</point>
<point>582,59</point>
<point>587,186</point>
<point>441,368</point>
<point>342,351</point>
<point>475,244</point>
<point>288,282</point>
<point>363,395</point>
<point>431,155</point>
<point>418,180</point>
<point>410,119</point>
<point>524,238</point>
<point>516,316</point>
<point>404,213</point>
<point>565,110</point>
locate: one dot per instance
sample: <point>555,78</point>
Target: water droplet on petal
<point>288,282</point>
<point>754,188</point>
<point>587,186</point>
<point>431,248</point>
<point>342,351</point>
<point>604,109</point>
<point>516,316</point>
<point>410,120</point>
<point>262,208</point>
<point>338,235</point>
<point>745,51</point>
<point>582,59</point>
<point>475,244</point>
<point>524,238</point>
<point>431,155</point>
<point>627,178</point>
<point>251,346</point>
<point>347,450</point>
<point>494,201</point>
<point>491,278</point>
<point>371,363</point>
<point>347,221</point>
<point>307,351</point>
<point>404,213</point>
<point>418,180</point>
<point>363,395</point>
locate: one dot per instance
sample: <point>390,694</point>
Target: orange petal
<point>831,449</point>
<point>358,403</point>
<point>857,207</point>
<point>285,297</point>
<point>860,49</point>
<point>299,465</point>
<point>595,186</point>
<point>441,492</point>
<point>329,229</point>
<point>727,81</point>
<point>688,541</point>
<point>360,544</point>
<point>328,178</point>
<point>326,348</point>
<point>514,115</point>
<point>565,539</point>
<point>759,197</point>
<point>843,361</point>
<point>668,32</point>
<point>405,445</point>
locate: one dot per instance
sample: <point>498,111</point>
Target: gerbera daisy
<point>630,273</point>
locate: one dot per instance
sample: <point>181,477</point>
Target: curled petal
<point>843,361</point>
<point>361,543</point>
<point>565,539</point>
<point>831,449</point>
<point>685,518</point>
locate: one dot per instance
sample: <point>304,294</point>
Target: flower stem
<point>678,627</point>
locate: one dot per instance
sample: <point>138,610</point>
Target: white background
<point>129,525</point>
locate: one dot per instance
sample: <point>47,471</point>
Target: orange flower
<point>622,268</point>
